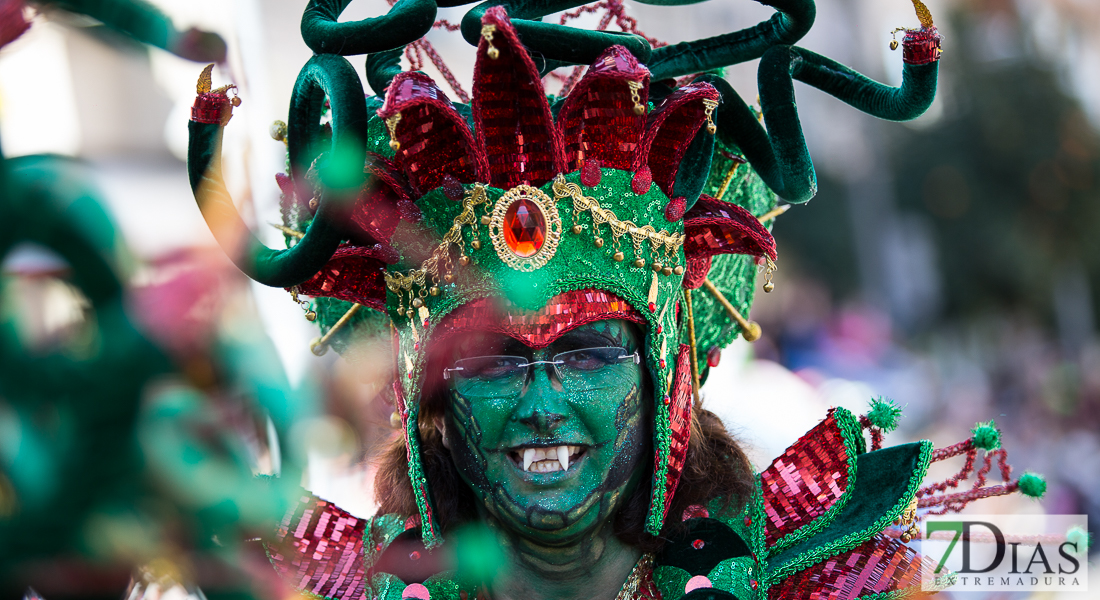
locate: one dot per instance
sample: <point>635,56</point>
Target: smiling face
<point>551,450</point>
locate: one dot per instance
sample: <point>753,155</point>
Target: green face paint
<point>511,442</point>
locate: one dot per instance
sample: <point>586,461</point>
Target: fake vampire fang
<point>548,460</point>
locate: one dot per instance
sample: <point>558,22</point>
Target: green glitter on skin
<point>556,527</point>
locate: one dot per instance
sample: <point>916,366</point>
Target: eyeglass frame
<point>527,366</point>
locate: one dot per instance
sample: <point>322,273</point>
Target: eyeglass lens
<point>504,376</point>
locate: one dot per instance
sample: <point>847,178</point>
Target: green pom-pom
<point>1077,535</point>
<point>986,436</point>
<point>1032,485</point>
<point>884,414</point>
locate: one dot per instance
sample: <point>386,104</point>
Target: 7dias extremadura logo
<point>1005,553</point>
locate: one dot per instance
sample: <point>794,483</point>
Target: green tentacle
<point>407,21</point>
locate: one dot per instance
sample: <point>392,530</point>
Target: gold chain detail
<point>708,111</point>
<point>662,242</point>
<point>399,283</point>
<point>487,33</point>
<point>636,97</point>
<point>391,125</point>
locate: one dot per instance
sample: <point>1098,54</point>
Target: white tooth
<point>563,457</point>
<point>540,454</point>
<point>528,458</point>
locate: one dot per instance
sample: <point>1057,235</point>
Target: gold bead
<point>666,271</point>
<point>476,244</point>
<point>486,219</point>
<point>578,228</point>
<point>395,145</point>
<point>417,303</point>
<point>640,262</point>
<point>278,131</point>
<point>395,420</point>
<point>753,333</point>
<point>313,202</point>
<point>679,270</point>
<point>639,109</point>
<point>410,313</point>
<point>905,537</point>
<point>464,260</point>
<point>711,128</point>
<point>768,287</point>
<point>434,291</point>
<point>619,256</point>
<point>317,348</point>
<point>893,44</point>
<point>494,53</point>
<point>311,315</point>
<point>656,266</point>
<point>449,278</point>
<point>598,241</point>
<point>236,101</point>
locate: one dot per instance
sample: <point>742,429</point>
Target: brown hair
<point>715,469</point>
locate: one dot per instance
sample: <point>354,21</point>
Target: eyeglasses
<point>504,376</point>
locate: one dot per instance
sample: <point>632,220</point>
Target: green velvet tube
<point>276,268</point>
<point>407,21</point>
<point>147,24</point>
<point>382,67</point>
<point>792,21</point>
<point>332,77</point>
<point>559,45</point>
<point>779,153</point>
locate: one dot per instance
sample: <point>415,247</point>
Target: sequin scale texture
<point>319,549</point>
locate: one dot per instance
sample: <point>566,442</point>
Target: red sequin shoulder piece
<point>319,550</point>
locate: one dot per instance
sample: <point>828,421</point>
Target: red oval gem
<point>698,544</point>
<point>524,227</point>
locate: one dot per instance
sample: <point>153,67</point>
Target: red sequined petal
<point>877,566</point>
<point>671,127</point>
<point>318,550</point>
<point>715,227</point>
<point>353,274</point>
<point>512,119</point>
<point>805,481</point>
<point>434,139</point>
<point>598,119</point>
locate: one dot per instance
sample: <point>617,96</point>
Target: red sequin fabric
<point>434,139</point>
<point>679,417</point>
<point>672,126</point>
<point>921,46</point>
<point>318,549</point>
<point>598,118</point>
<point>511,116</point>
<point>353,274</point>
<point>715,227</point>
<point>805,481</point>
<point>211,107</point>
<point>538,329</point>
<point>879,565</point>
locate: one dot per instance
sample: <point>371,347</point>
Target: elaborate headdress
<point>613,202</point>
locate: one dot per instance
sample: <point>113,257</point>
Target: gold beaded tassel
<point>311,315</point>
<point>708,111</point>
<point>635,97</point>
<point>768,270</point>
<point>691,342</point>
<point>487,33</point>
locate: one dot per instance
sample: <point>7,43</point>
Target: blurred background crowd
<point>951,264</point>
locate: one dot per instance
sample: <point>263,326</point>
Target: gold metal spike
<point>205,80</point>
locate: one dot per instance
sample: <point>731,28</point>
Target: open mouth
<point>546,459</point>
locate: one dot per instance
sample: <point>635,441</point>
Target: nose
<point>540,405</point>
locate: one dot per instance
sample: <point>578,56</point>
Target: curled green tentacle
<point>792,21</point>
<point>147,24</point>
<point>407,21</point>
<point>382,67</point>
<point>558,45</point>
<point>778,153</point>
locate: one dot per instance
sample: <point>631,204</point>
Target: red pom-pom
<point>590,173</point>
<point>714,355</point>
<point>674,210</point>
<point>452,188</point>
<point>643,179</point>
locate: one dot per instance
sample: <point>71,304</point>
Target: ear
<point>440,423</point>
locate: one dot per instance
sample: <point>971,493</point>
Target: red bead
<point>410,375</point>
<point>714,355</point>
<point>652,307</point>
<point>698,544</point>
<point>660,329</point>
<point>663,363</point>
<point>416,346</point>
<point>748,522</point>
<point>414,555</point>
<point>524,227</point>
<point>666,400</point>
<point>590,173</point>
<point>674,210</point>
<point>425,323</point>
<point>754,584</point>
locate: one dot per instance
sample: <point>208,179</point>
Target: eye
<point>590,359</point>
<point>490,367</point>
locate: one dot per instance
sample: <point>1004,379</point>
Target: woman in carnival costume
<point>555,273</point>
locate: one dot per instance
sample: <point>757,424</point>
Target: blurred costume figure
<point>558,275</point>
